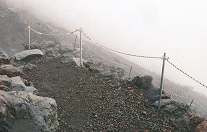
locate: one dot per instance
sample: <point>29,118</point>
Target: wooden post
<point>161,83</point>
<point>80,48</point>
<point>29,37</point>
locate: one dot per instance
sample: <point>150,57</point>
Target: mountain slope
<point>14,34</point>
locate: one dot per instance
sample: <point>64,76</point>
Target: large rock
<point>47,44</point>
<point>47,106</point>
<point>202,127</point>
<point>175,109</point>
<point>17,115</point>
<point>165,102</point>
<point>65,47</point>
<point>4,59</point>
<point>5,80</point>
<point>28,53</point>
<point>17,84</point>
<point>77,61</point>
<point>10,71</point>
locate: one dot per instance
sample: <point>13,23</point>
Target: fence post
<point>161,83</point>
<point>29,37</point>
<point>80,48</point>
<point>75,43</point>
<point>191,102</point>
<point>130,71</point>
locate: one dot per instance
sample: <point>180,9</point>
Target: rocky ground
<point>88,102</point>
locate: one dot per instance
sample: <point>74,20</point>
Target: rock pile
<point>19,103</point>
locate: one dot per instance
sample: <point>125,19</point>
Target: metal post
<point>191,102</point>
<point>75,43</point>
<point>130,71</point>
<point>80,48</point>
<point>161,83</point>
<point>29,37</point>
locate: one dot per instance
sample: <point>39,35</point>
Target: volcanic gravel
<point>88,102</point>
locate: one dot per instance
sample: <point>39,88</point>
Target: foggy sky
<point>143,27</point>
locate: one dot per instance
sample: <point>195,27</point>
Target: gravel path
<point>87,102</point>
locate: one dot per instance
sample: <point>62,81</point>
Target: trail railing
<point>128,54</point>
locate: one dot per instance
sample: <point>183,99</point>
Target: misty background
<point>148,27</point>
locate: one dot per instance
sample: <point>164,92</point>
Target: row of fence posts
<point>163,66</point>
<point>162,75</point>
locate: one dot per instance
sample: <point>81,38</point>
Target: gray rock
<point>29,66</point>
<point>152,94</point>
<point>77,61</point>
<point>170,108</point>
<point>65,47</point>
<point>47,106</point>
<point>4,59</point>
<point>4,88</point>
<point>165,102</point>
<point>28,53</point>
<point>16,115</point>
<point>5,80</point>
<point>17,84</point>
<point>10,70</point>
<point>50,52</point>
<point>31,89</point>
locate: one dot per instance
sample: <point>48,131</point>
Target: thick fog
<point>147,27</point>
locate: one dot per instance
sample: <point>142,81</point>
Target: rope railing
<point>186,73</point>
<point>116,50</point>
<point>167,59</point>
<point>105,59</point>
<point>54,34</point>
<point>128,54</point>
<point>107,47</point>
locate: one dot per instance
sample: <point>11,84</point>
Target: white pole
<point>161,83</point>
<point>80,48</point>
<point>29,37</point>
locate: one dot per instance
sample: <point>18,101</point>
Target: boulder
<point>4,88</point>
<point>65,47</point>
<point>17,115</point>
<point>31,89</point>
<point>4,59</point>
<point>10,70</point>
<point>47,44</point>
<point>28,53</point>
<point>202,127</point>
<point>164,102</point>
<point>77,61</point>
<point>152,94</point>
<point>17,84</point>
<point>47,106</point>
<point>147,80</point>
<point>28,67</point>
<point>175,109</point>
<point>5,80</point>
<point>50,52</point>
